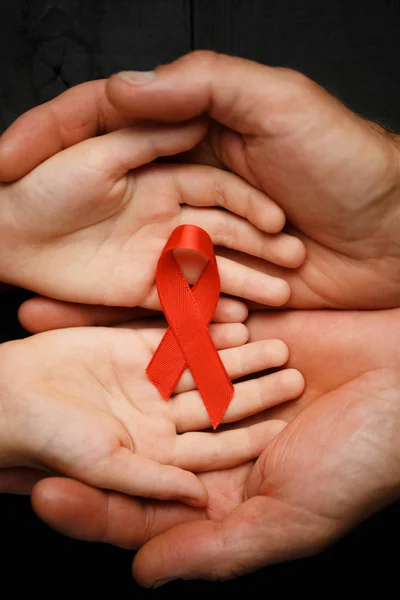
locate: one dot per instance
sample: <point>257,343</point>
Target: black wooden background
<point>352,47</point>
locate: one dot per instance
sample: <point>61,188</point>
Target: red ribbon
<point>187,342</point>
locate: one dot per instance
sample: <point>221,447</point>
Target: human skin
<point>78,402</point>
<point>88,224</point>
<point>336,463</point>
<point>335,174</point>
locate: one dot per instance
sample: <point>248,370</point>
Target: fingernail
<point>136,77</point>
<point>162,582</point>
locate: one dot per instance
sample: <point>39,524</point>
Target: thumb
<point>79,184</point>
<point>116,153</point>
<point>80,113</point>
<point>243,95</point>
<point>136,475</point>
<point>259,532</point>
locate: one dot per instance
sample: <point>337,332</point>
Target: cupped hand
<point>85,227</point>
<point>336,175</point>
<point>78,402</point>
<point>335,463</point>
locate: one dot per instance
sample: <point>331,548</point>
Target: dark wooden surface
<point>352,47</point>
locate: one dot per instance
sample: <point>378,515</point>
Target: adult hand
<point>335,463</point>
<point>335,175</point>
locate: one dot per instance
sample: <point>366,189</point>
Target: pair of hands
<point>87,225</point>
<point>336,177</point>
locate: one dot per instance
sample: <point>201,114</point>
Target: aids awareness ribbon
<point>187,342</point>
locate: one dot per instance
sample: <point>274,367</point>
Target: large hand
<point>78,402</point>
<point>335,175</point>
<point>336,462</point>
<point>86,228</point>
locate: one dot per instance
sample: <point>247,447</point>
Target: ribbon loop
<point>187,342</point>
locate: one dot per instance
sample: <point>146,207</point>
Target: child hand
<point>83,227</point>
<point>78,402</point>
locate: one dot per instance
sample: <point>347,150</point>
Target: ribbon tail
<point>166,366</point>
<point>217,409</point>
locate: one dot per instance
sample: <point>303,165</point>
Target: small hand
<point>88,225</point>
<point>78,402</point>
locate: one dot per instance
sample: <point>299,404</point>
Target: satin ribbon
<point>187,342</point>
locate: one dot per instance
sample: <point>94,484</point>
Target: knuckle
<point>203,58</point>
<point>297,80</point>
<point>280,349</point>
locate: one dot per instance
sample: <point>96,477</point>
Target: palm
<point>341,448</point>
<point>341,202</point>
<point>96,228</point>
<point>345,422</point>
<point>338,459</point>
<point>102,420</point>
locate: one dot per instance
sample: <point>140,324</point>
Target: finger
<point>244,282</point>
<point>250,398</point>
<point>205,186</point>
<point>243,95</point>
<point>79,113</point>
<point>259,532</point>
<point>241,361</point>
<point>230,310</point>
<point>240,281</point>
<point>224,335</point>
<point>88,513</point>
<point>228,335</point>
<point>136,475</point>
<point>196,451</point>
<point>249,220</point>
<point>44,314</point>
<point>302,295</point>
<point>114,154</point>
<point>230,231</point>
